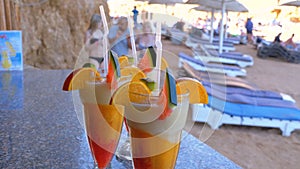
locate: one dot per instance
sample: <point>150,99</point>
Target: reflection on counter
<point>11,93</point>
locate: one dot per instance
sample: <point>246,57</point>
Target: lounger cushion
<point>236,57</point>
<point>208,65</point>
<point>243,91</point>
<point>254,111</point>
<point>255,100</point>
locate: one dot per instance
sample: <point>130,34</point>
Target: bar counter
<point>40,129</point>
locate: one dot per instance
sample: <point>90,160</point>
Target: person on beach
<point>118,37</point>
<point>277,38</point>
<point>249,29</point>
<point>147,37</point>
<point>289,44</point>
<point>135,15</point>
<point>93,41</point>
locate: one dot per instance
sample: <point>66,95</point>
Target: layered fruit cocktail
<point>156,119</point>
<point>155,112</point>
<point>103,121</point>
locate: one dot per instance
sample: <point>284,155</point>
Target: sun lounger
<point>245,106</point>
<point>205,36</point>
<point>284,118</point>
<point>234,40</point>
<point>232,58</point>
<point>278,51</point>
<point>177,36</point>
<point>221,60</point>
<point>193,42</point>
<point>196,39</point>
<point>215,68</point>
<point>231,55</point>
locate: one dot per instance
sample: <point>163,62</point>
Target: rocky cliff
<point>53,30</point>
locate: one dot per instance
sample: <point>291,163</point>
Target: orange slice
<point>78,78</point>
<point>132,92</point>
<point>123,61</point>
<point>197,92</point>
<point>139,92</point>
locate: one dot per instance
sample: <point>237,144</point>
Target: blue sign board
<point>11,56</point>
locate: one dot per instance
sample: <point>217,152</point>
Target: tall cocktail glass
<point>103,122</point>
<point>155,140</point>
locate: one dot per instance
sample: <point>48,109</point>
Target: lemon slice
<point>78,78</point>
<point>197,92</point>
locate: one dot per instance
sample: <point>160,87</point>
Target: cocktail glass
<point>155,141</point>
<point>103,122</point>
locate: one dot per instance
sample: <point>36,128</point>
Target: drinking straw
<point>132,40</point>
<point>105,42</point>
<point>158,55</point>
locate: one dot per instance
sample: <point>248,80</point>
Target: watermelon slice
<point>148,61</point>
<point>170,92</point>
<point>114,70</point>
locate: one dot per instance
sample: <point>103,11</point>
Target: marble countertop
<point>40,129</point>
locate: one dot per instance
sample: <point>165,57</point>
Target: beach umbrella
<point>233,7</point>
<point>290,3</point>
<point>220,5</point>
<point>167,2</point>
<point>164,2</point>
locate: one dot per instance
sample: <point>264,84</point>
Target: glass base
<point>96,166</point>
<point>124,151</point>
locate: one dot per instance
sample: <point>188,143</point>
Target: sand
<point>253,147</point>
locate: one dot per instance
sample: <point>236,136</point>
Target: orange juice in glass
<point>156,122</point>
<point>155,127</point>
<point>155,143</point>
<point>102,121</point>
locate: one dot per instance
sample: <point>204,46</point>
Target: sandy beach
<point>254,147</point>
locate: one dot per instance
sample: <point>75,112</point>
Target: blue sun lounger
<point>234,40</point>
<point>192,42</point>
<point>232,55</point>
<point>246,106</point>
<point>275,114</point>
<point>210,67</point>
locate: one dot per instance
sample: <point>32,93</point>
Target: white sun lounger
<point>208,67</point>
<point>232,58</point>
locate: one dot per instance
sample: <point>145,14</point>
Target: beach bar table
<point>39,127</point>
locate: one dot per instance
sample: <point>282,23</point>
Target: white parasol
<point>220,5</point>
<point>290,3</point>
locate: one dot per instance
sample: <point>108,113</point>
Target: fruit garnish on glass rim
<point>148,62</point>
<point>77,79</point>
<point>114,71</point>
<point>139,92</point>
<point>169,90</point>
<point>197,92</point>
